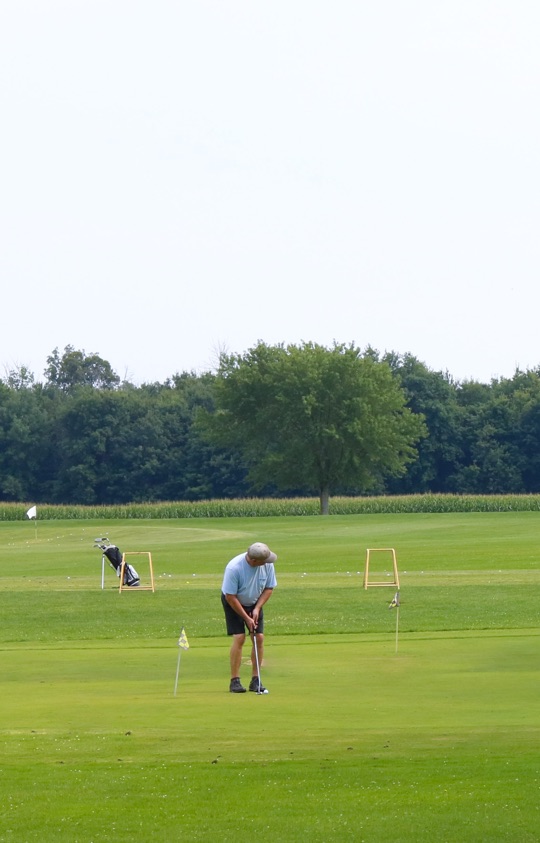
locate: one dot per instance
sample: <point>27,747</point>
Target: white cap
<point>259,550</point>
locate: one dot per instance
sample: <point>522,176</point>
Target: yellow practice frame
<point>150,587</point>
<point>391,582</point>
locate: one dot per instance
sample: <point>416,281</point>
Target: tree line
<point>275,421</point>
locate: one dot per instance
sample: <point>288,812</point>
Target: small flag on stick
<point>183,644</point>
<point>395,605</point>
<point>32,516</point>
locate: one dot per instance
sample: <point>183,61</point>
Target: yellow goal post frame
<point>146,553</point>
<point>394,583</point>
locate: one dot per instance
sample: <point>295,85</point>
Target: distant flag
<point>32,512</point>
<point>183,643</point>
<point>395,601</point>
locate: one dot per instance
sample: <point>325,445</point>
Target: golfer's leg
<point>236,654</point>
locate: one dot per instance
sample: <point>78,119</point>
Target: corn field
<point>268,507</point>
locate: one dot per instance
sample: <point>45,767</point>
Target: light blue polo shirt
<point>246,582</point>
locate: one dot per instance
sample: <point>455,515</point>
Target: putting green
<point>373,730</point>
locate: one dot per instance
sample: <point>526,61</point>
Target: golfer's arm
<point>265,595</point>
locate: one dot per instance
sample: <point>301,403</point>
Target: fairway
<point>378,726</point>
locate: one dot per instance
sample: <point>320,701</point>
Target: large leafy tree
<point>76,368</point>
<point>313,418</point>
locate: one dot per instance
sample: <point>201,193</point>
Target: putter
<point>257,663</point>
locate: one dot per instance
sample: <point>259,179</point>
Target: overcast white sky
<point>179,177</point>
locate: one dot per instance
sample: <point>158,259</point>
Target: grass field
<point>371,731</point>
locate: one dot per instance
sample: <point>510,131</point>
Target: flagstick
<point>397,626</point>
<point>183,644</point>
<point>103,572</point>
<point>177,671</point>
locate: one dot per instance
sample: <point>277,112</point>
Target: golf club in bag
<point>114,556</point>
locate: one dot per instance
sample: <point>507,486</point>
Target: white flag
<point>32,512</point>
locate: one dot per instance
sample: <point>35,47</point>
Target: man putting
<point>248,583</point>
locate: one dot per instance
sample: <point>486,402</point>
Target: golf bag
<point>114,556</point>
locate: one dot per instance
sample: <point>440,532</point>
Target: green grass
<point>365,734</point>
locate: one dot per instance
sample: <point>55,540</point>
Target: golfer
<point>247,585</point>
